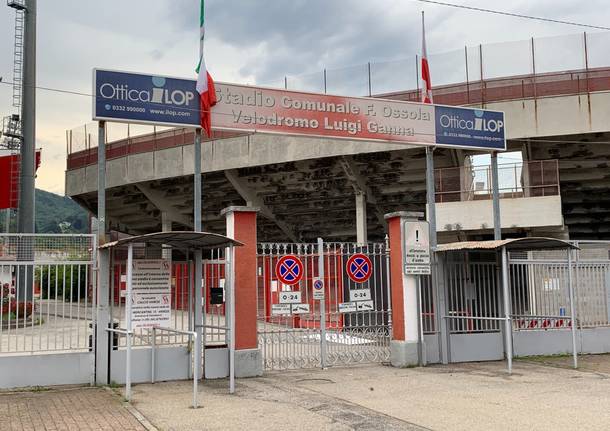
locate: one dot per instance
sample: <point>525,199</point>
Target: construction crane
<point>11,135</point>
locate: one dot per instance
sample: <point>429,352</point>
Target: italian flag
<point>205,84</point>
<point>425,69</point>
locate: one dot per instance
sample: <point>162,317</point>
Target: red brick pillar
<point>241,226</point>
<point>405,314</point>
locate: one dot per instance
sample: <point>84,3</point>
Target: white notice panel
<point>300,308</point>
<point>280,309</point>
<point>347,307</point>
<point>417,248</point>
<point>151,293</point>
<point>365,306</point>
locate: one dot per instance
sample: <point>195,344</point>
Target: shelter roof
<point>178,239</point>
<point>512,244</point>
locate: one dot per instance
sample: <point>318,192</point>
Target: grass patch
<point>40,389</point>
<point>544,358</point>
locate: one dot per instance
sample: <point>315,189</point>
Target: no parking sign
<point>289,269</point>
<point>318,289</point>
<point>359,267</point>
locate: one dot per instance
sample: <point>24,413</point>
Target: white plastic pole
<point>153,353</point>
<point>128,300</point>
<point>507,319</point>
<point>572,310</point>
<point>230,261</point>
<point>322,304</point>
<point>195,379</point>
<point>198,315</point>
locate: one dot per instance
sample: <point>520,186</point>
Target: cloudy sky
<point>261,41</point>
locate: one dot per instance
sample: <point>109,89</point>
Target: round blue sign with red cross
<point>359,267</point>
<point>289,269</point>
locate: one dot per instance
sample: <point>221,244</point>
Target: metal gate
<point>324,332</point>
<point>473,313</point>
<point>47,301</point>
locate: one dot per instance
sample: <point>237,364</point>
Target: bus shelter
<point>157,277</point>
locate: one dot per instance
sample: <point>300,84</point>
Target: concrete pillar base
<point>404,353</point>
<point>248,363</point>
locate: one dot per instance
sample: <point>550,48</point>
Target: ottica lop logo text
<point>156,94</point>
<point>476,124</point>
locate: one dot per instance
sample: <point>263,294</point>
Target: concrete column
<point>104,320</point>
<point>405,312</point>
<point>166,226</point>
<point>241,226</point>
<point>361,231</point>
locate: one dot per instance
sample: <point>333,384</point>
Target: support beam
<point>166,226</point>
<point>359,184</point>
<point>253,200</point>
<point>457,157</point>
<point>159,200</point>
<point>361,228</point>
<point>431,196</point>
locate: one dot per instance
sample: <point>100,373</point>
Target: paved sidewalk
<point>65,409</point>
<point>476,396</point>
<point>479,396</point>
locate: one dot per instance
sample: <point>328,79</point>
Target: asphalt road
<point>479,396</point>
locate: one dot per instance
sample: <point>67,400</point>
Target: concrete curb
<point>134,412</point>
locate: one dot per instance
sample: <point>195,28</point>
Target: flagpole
<point>427,98</point>
<point>199,318</point>
<point>431,208</point>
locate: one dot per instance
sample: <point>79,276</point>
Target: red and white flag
<point>425,69</point>
<point>205,84</point>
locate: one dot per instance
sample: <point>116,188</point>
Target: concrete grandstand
<point>558,122</point>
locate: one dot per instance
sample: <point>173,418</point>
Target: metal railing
<point>539,282</point>
<point>539,291</point>
<point>126,139</point>
<point>539,67</point>
<point>524,179</point>
<point>47,293</point>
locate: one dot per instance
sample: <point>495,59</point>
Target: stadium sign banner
<point>148,99</point>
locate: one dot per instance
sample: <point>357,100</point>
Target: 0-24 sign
<point>290,297</point>
<point>360,295</point>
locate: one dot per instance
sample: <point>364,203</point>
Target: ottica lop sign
<point>147,99</point>
<point>137,98</point>
<point>465,127</point>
